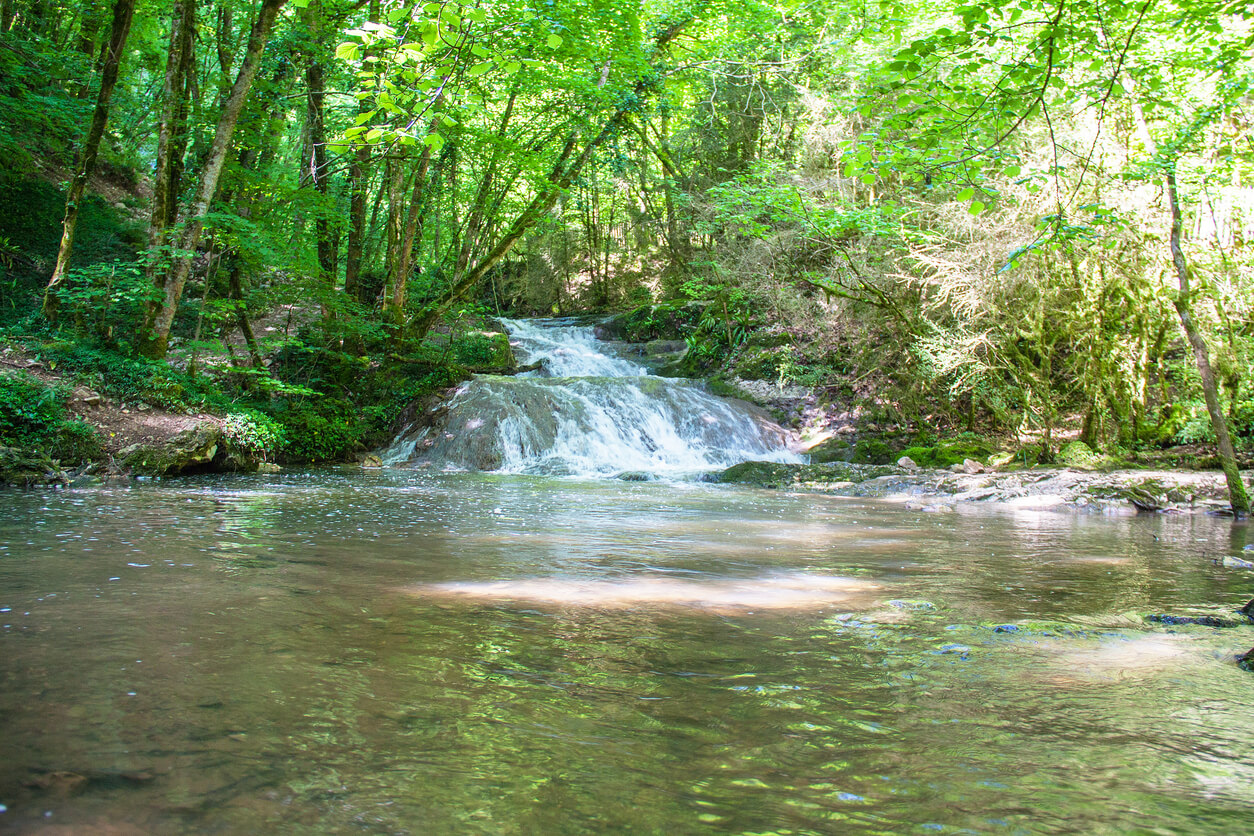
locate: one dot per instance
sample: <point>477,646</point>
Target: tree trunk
<point>122,13</point>
<point>358,184</point>
<point>1237,495</point>
<point>315,117</point>
<point>165,186</point>
<point>154,341</point>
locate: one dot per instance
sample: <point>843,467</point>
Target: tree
<point>155,335</point>
<point>123,11</point>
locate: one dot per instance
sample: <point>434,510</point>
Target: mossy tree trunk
<point>1237,495</point>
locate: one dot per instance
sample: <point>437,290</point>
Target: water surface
<point>408,652</point>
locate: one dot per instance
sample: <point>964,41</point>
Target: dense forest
<point>1032,221</point>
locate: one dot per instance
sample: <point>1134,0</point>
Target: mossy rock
<point>719,386</point>
<point>1030,455</point>
<point>766,338</point>
<point>835,449</point>
<point>753,363</point>
<point>922,456</point>
<point>27,468</point>
<point>200,449</point>
<point>872,451</point>
<point>1079,455</point>
<point>485,350</point>
<point>949,453</point>
<point>776,475</point>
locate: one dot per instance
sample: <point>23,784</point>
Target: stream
<point>536,648</point>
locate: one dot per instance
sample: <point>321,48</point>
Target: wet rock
<point>1246,661</point>
<point>1006,628</point>
<point>1248,610</point>
<point>371,461</point>
<point>268,467</point>
<point>1199,620</point>
<point>636,476</point>
<point>1236,563</point>
<point>774,475</point>
<point>907,463</point>
<point>913,605</point>
<point>1035,502</point>
<point>971,466</point>
<point>60,783</point>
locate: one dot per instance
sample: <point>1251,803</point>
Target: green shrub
<point>33,417</point>
<point>481,350</point>
<point>254,432</point>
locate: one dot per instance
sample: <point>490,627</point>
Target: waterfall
<point>586,412</point>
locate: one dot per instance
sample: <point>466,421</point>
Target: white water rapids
<point>586,413</point>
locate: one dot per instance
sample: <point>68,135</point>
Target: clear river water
<point>414,651</point>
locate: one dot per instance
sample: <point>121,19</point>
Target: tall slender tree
<point>123,12</point>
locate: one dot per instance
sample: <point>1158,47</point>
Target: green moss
<point>922,456</point>
<point>1080,455</point>
<point>484,350</point>
<point>872,451</point>
<point>760,363</point>
<point>956,452</point>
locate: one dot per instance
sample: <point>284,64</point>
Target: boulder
<point>907,463</point>
<point>1077,454</point>
<point>190,450</point>
<point>28,468</point>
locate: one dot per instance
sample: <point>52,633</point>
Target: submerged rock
<point>1246,661</point>
<point>1199,620</point>
<point>776,475</point>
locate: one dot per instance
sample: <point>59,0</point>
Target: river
<point>415,651</point>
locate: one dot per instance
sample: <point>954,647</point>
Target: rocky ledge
<point>1111,492</point>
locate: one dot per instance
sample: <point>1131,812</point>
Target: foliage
<point>33,416</point>
<point>255,433</point>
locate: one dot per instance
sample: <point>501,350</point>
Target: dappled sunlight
<point>767,592</point>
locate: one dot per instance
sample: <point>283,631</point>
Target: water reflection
<point>251,653</point>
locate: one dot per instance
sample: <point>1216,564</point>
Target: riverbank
<point>1115,492</point>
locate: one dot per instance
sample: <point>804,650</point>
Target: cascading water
<point>586,413</point>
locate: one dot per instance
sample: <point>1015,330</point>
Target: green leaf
<point>868,179</point>
<point>348,51</point>
<point>435,141</point>
<point>977,206</point>
<point>965,194</point>
<point>480,68</point>
<point>554,41</point>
